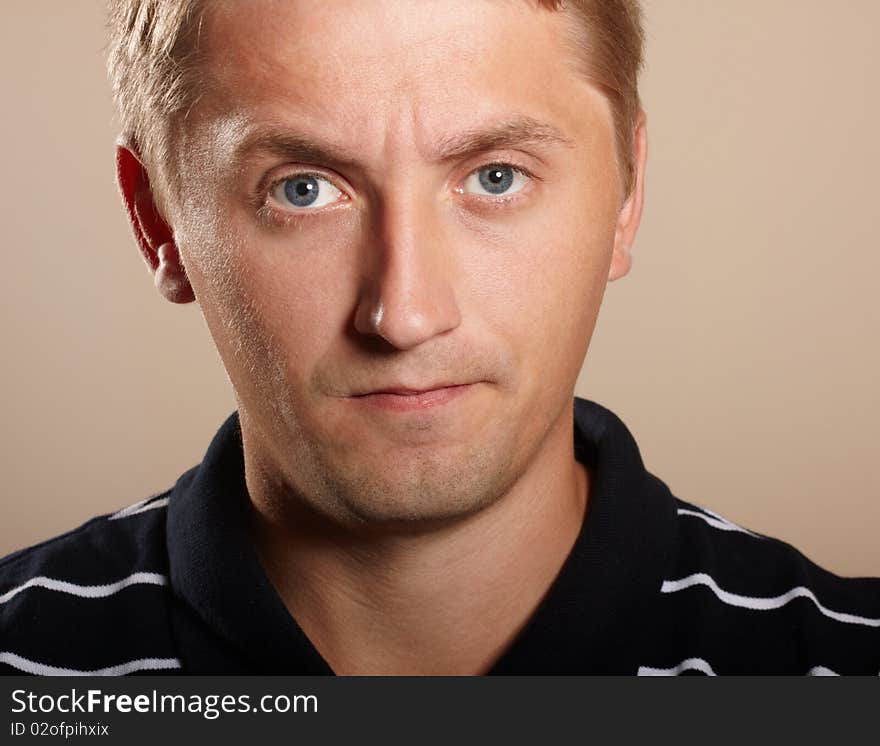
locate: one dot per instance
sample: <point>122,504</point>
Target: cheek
<point>305,289</point>
<point>274,299</point>
<point>545,277</point>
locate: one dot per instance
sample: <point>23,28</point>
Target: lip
<point>403,399</point>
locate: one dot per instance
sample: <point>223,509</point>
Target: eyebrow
<point>290,145</point>
<point>519,131</point>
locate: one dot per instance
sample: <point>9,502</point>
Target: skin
<point>419,541</point>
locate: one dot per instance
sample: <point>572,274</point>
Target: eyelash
<point>268,213</point>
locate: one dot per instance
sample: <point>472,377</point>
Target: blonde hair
<point>154,52</point>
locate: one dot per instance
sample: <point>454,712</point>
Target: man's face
<point>400,261</point>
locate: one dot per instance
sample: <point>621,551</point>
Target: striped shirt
<point>654,585</point>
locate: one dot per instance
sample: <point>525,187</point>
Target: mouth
<point>405,399</point>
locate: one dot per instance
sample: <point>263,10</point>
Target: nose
<point>408,293</point>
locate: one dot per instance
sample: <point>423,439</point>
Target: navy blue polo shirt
<point>654,585</point>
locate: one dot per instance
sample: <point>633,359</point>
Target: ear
<point>631,213</point>
<point>154,237</point>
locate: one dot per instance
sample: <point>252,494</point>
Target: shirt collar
<point>229,618</point>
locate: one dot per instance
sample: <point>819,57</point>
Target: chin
<point>417,488</point>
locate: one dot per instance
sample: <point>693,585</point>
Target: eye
<point>304,191</point>
<point>496,179</point>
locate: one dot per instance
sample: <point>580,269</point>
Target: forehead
<point>373,73</point>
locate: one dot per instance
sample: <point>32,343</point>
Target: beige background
<point>742,351</point>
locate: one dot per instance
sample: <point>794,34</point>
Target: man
<point>398,220</point>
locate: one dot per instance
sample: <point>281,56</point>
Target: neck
<point>447,599</point>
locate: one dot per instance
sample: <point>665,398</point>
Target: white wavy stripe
<point>689,664</point>
<point>86,591</point>
<point>42,669</point>
<point>717,522</point>
<point>699,664</point>
<point>823,671</point>
<point>763,603</point>
<point>712,513</point>
<point>151,506</point>
<point>139,507</point>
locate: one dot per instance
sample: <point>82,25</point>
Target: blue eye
<point>304,191</point>
<point>496,179</point>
